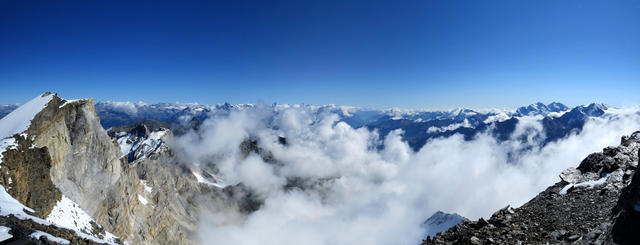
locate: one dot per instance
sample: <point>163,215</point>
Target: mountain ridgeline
<point>79,173</point>
<point>419,126</point>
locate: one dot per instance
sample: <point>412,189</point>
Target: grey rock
<point>601,214</point>
<point>571,175</point>
<point>474,240</point>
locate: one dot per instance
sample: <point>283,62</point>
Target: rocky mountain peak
<point>41,169</point>
<point>556,106</point>
<point>145,139</point>
<point>540,108</point>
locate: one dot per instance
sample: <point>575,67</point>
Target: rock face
<point>25,175</point>
<point>83,157</point>
<point>627,223</point>
<point>169,196</point>
<point>596,203</point>
<point>144,196</point>
<point>34,160</point>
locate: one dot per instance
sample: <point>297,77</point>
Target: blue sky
<point>411,54</point>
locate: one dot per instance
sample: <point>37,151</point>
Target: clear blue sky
<point>412,54</point>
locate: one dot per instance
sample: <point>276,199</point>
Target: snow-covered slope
<point>69,215</point>
<point>19,120</point>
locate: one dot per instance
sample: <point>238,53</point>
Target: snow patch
<point>68,214</point>
<point>146,187</point>
<point>587,184</point>
<point>142,200</point>
<point>125,146</point>
<point>4,233</point>
<point>36,235</point>
<point>558,114</point>
<point>67,102</point>
<point>219,183</point>
<point>9,205</point>
<point>8,143</point>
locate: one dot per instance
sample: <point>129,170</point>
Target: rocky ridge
<point>145,139</point>
<point>595,203</point>
<point>65,168</point>
<point>31,197</point>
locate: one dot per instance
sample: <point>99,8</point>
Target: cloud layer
<point>358,194</point>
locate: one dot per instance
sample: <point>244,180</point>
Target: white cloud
<point>450,127</point>
<point>370,196</point>
<point>125,107</point>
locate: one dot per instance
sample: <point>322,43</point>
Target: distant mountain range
<point>419,126</point>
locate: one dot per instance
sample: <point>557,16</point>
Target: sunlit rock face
<point>35,172</point>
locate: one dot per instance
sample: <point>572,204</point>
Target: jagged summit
<point>541,109</point>
<point>144,139</point>
<point>36,171</point>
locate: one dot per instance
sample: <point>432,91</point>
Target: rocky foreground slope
<point>596,203</point>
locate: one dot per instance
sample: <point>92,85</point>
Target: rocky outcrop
<point>83,157</point>
<point>146,139</point>
<point>30,164</point>
<point>65,153</point>
<point>627,223</point>
<point>25,175</point>
<point>596,203</point>
<point>169,196</point>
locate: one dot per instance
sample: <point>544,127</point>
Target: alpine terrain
<point>79,172</point>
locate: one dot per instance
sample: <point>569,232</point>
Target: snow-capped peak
<point>440,221</point>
